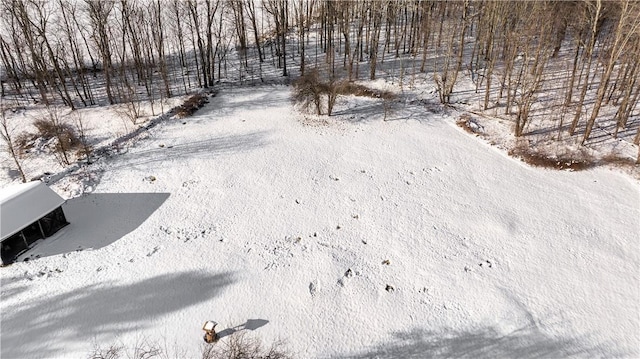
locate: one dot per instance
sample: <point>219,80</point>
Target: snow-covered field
<point>346,236</point>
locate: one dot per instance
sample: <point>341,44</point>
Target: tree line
<point>82,53</point>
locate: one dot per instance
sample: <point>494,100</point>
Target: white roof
<point>23,204</point>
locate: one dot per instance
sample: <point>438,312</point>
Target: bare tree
<point>54,124</point>
<point>377,10</point>
<point>536,52</point>
<point>278,9</point>
<point>99,14</point>
<point>158,33</point>
<point>308,90</point>
<point>39,22</point>
<point>593,12</point>
<point>627,28</point>
<point>446,75</point>
<point>81,127</point>
<point>237,9</point>
<point>10,146</point>
<point>250,8</point>
<point>21,24</point>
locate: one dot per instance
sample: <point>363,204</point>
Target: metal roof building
<point>29,212</point>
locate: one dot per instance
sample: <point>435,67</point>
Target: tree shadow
<point>244,98</point>
<point>373,110</point>
<point>45,325</point>
<point>250,324</point>
<point>368,111</point>
<point>196,149</point>
<point>11,286</point>
<point>527,342</point>
<point>97,220</point>
<point>603,130</point>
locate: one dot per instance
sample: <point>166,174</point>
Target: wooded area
<point>83,53</point>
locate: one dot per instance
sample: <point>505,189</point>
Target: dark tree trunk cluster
<point>82,53</point>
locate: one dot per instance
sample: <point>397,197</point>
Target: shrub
<point>85,148</point>
<point>240,346</point>
<point>25,141</point>
<point>62,131</point>
<point>235,346</point>
<point>112,352</point>
<point>308,90</point>
<point>65,135</point>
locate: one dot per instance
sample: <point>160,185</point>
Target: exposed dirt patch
<point>467,123</point>
<point>578,163</point>
<point>363,91</point>
<point>576,160</point>
<point>193,104</point>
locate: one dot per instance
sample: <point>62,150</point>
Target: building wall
<point>26,238</point>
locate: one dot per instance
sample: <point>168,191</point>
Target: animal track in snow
<point>155,249</point>
<point>348,274</point>
<point>432,170</point>
<point>187,234</point>
<point>189,183</point>
<point>42,273</point>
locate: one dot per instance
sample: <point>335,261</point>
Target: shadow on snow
<point>250,324</point>
<point>45,325</point>
<point>98,220</point>
<point>206,149</point>
<point>527,342</point>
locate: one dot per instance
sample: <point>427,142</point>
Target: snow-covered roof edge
<point>24,204</point>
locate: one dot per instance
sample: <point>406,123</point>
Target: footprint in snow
<point>348,274</point>
<point>155,249</point>
<point>189,183</point>
<point>432,169</point>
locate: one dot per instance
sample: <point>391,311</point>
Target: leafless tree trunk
<point>99,14</point>
<point>158,33</point>
<point>237,9</point>
<point>278,11</point>
<point>21,22</point>
<point>627,28</point>
<point>588,54</point>
<point>376,10</point>
<point>81,127</point>
<point>7,133</point>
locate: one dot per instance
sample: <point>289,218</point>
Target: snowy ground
<point>348,236</point>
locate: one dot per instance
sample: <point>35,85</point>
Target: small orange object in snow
<point>210,335</point>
